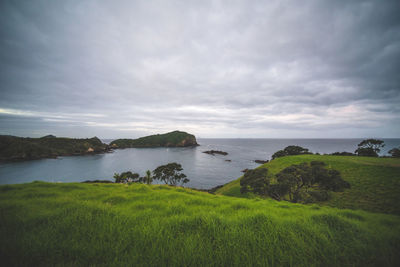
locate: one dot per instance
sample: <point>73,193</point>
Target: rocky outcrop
<point>259,161</point>
<point>214,152</point>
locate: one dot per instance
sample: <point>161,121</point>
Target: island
<point>171,139</point>
<point>213,152</point>
<point>49,146</point>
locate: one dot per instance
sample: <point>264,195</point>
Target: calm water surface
<point>203,170</point>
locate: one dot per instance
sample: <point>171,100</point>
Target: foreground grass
<point>375,182</point>
<point>118,225</point>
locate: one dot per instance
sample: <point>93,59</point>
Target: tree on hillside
<point>255,181</point>
<point>369,147</point>
<point>170,174</point>
<point>305,182</point>
<point>126,177</point>
<point>290,150</point>
<point>395,152</point>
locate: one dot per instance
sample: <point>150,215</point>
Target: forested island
<point>171,139</point>
<point>49,146</point>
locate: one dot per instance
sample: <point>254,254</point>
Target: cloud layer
<point>213,68</point>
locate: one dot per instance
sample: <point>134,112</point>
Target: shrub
<point>395,152</point>
<point>319,195</point>
<point>126,177</point>
<point>305,182</point>
<point>255,181</point>
<point>343,154</point>
<point>290,150</point>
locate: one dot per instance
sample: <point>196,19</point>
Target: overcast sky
<point>272,69</point>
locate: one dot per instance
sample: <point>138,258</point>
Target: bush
<point>343,154</point>
<point>319,195</point>
<point>289,151</point>
<point>126,177</point>
<point>395,152</point>
<point>255,181</point>
<point>305,182</point>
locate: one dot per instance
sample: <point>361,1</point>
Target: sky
<point>224,69</point>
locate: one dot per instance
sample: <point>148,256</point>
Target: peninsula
<point>49,146</point>
<point>171,139</point>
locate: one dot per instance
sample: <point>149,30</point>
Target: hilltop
<point>171,139</point>
<point>49,146</point>
<point>375,182</point>
<point>74,224</point>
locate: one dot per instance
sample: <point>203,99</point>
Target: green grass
<point>46,224</point>
<point>375,182</point>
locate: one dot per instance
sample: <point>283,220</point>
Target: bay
<point>204,171</point>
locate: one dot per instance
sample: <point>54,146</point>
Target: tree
<point>279,154</point>
<point>305,182</point>
<point>294,178</point>
<point>126,177</point>
<point>148,179</point>
<point>170,174</point>
<point>255,181</point>
<point>299,179</point>
<point>395,152</point>
<point>290,150</point>
<point>369,147</point>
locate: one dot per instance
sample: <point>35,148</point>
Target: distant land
<point>49,146</point>
<point>171,139</point>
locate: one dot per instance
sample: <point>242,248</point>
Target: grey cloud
<point>216,68</point>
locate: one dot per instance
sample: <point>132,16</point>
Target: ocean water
<point>204,170</point>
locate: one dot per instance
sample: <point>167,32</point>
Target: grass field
<point>47,224</point>
<point>375,182</point>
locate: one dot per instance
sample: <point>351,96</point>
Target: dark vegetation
<point>98,181</point>
<point>369,148</point>
<point>170,174</point>
<point>290,151</point>
<point>305,182</point>
<point>172,139</point>
<point>20,148</point>
<point>343,154</point>
<point>127,177</point>
<point>395,152</point>
<point>213,152</point>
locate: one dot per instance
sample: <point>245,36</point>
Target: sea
<point>203,170</point>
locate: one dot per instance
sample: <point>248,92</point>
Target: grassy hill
<point>375,182</point>
<point>47,224</point>
<point>20,148</point>
<point>172,139</point>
